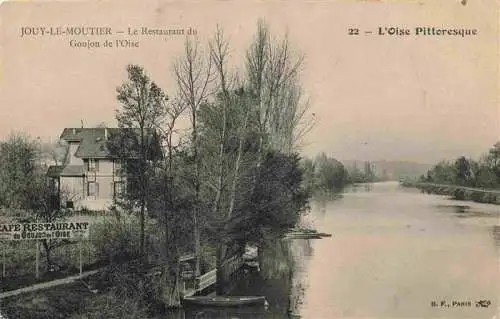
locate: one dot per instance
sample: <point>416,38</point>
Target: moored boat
<point>306,235</point>
<point>252,264</point>
<point>224,301</point>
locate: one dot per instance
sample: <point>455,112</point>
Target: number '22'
<point>353,31</point>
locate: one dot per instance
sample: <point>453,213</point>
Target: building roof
<point>73,170</point>
<point>78,134</point>
<point>93,142</point>
<point>54,170</point>
<point>69,170</point>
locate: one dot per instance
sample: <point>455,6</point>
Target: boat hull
<point>307,235</point>
<point>227,301</point>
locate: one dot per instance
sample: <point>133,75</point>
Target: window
<point>92,164</point>
<point>92,189</point>
<point>118,188</point>
<point>117,167</point>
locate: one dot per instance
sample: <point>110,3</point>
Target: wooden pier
<point>208,279</point>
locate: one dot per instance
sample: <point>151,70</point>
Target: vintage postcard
<point>250,159</point>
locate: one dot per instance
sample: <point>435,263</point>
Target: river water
<point>394,253</point>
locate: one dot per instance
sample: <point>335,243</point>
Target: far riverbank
<point>478,195</point>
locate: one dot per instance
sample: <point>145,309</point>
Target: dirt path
<point>45,285</point>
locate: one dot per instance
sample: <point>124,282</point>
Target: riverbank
<point>394,251</point>
<point>76,300</point>
<point>457,192</point>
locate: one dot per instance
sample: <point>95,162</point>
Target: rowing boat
<point>306,235</point>
<point>225,301</point>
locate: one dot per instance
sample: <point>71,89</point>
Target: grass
<point>20,263</point>
<point>57,302</point>
<point>20,256</point>
<point>75,300</point>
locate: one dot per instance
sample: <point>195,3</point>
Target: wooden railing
<point>230,266</point>
<point>206,280</point>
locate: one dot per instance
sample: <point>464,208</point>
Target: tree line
<point>324,173</point>
<point>233,177</point>
<point>483,173</point>
<point>24,190</point>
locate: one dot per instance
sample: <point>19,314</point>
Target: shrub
<point>111,306</point>
<point>116,239</point>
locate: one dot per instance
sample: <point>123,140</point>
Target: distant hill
<point>391,170</point>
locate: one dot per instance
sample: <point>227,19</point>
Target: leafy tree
<point>330,174</point>
<point>24,185</point>
<point>309,168</point>
<point>462,171</point>
<point>194,74</point>
<point>484,173</point>
<point>18,166</point>
<point>143,109</point>
<point>493,159</point>
<point>44,207</point>
<point>56,152</point>
<point>484,176</point>
<point>276,205</point>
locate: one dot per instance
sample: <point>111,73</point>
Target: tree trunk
<point>196,225</point>
<point>220,179</point>
<point>221,278</point>
<point>258,164</point>
<point>48,251</point>
<point>142,222</point>
<point>237,167</point>
<point>197,246</point>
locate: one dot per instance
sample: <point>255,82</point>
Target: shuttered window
<point>93,189</point>
<point>92,165</point>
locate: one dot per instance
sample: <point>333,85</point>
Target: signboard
<point>37,231</point>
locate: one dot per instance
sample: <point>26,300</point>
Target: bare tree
<point>273,70</point>
<point>45,207</point>
<point>290,122</point>
<point>164,198</point>
<point>219,50</point>
<point>273,73</point>
<point>57,152</point>
<point>194,75</point>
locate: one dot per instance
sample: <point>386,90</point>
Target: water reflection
<point>219,313</point>
<point>321,200</point>
<point>454,207</point>
<point>223,313</point>
<point>281,280</point>
<point>355,188</point>
<point>393,252</point>
<point>495,232</point>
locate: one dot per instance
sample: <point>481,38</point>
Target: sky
<point>415,98</point>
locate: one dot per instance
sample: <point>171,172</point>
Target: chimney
<point>105,133</point>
